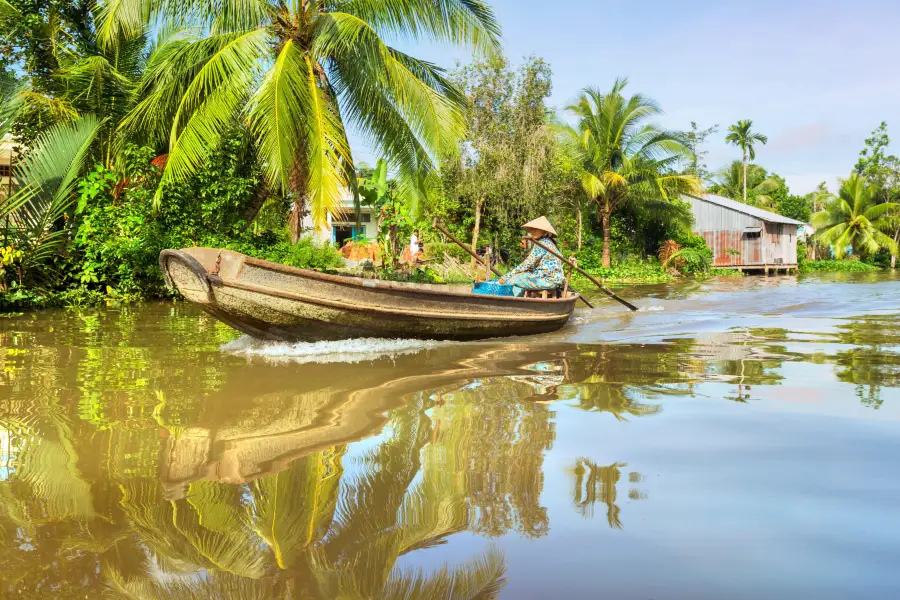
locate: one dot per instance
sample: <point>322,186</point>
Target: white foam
<point>651,308</point>
<point>341,351</point>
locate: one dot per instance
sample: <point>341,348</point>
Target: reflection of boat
<point>276,302</point>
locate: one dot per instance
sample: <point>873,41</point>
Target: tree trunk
<point>300,204</point>
<point>578,217</point>
<point>298,212</point>
<point>260,195</point>
<point>380,232</point>
<point>745,176</point>
<point>894,256</point>
<point>604,217</point>
<point>477,228</point>
<point>393,242</point>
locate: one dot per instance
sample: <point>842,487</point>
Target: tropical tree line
<point>140,125</point>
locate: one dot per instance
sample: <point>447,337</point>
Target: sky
<point>816,77</point>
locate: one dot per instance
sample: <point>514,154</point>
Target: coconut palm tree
<point>742,135</point>
<point>623,159</point>
<point>750,181</point>
<point>853,219</point>
<point>298,72</point>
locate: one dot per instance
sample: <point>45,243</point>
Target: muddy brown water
<point>737,438</point>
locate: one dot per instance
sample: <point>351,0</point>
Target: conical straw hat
<point>541,223</point>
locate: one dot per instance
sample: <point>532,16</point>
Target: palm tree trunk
<point>300,204</point>
<point>604,217</point>
<point>894,256</point>
<point>578,217</point>
<point>477,229</point>
<point>745,176</point>
<point>260,195</point>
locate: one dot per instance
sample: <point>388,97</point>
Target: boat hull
<point>275,302</point>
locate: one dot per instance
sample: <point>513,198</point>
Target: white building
<point>7,156</point>
<point>342,227</point>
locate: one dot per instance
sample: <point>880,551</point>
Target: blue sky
<point>816,77</point>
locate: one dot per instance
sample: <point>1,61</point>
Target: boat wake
<point>341,351</point>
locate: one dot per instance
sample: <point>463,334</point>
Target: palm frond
<point>210,104</point>
<point>7,10</point>
<point>35,212</point>
<point>120,20</point>
<point>480,579</point>
<point>462,22</point>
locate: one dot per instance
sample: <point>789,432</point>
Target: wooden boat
<point>276,302</point>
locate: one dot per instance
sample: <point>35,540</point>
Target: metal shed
<point>743,236</point>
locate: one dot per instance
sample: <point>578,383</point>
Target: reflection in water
<point>594,484</point>
<point>141,469</point>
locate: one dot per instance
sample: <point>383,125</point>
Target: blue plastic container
<point>492,288</point>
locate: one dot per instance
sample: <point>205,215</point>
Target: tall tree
<point>500,172</point>
<point>883,171</point>
<point>853,219</point>
<point>742,135</point>
<point>696,137</point>
<point>297,72</point>
<point>752,182</point>
<point>622,158</point>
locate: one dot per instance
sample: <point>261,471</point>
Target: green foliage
<point>761,188</point>
<point>36,219</point>
<point>622,159</point>
<point>689,261</point>
<point>633,271</point>
<point>852,219</point>
<point>881,169</point>
<point>742,135</point>
<point>796,207</point>
<point>505,171</point>
<point>439,249</point>
<point>836,266</point>
<point>694,258</point>
<point>696,137</point>
<point>296,79</point>
<point>117,235</point>
<point>802,252</point>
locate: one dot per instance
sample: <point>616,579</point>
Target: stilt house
<point>745,237</point>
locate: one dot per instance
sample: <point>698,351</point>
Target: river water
<point>736,438</point>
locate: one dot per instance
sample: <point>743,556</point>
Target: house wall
<point>781,243</point>
<point>324,235</point>
<point>725,233</point>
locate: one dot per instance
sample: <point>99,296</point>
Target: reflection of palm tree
<point>594,484</point>
<point>872,362</point>
<point>615,398</point>
<point>295,522</point>
<point>604,379</point>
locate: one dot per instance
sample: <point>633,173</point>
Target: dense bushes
<point>117,234</point>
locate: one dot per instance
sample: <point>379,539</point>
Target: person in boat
<point>540,270</point>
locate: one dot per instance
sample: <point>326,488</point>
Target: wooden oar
<point>436,224</point>
<point>605,290</point>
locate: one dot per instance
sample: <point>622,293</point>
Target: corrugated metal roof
<point>753,211</point>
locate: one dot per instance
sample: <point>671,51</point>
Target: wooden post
<point>574,263</point>
<point>487,263</point>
